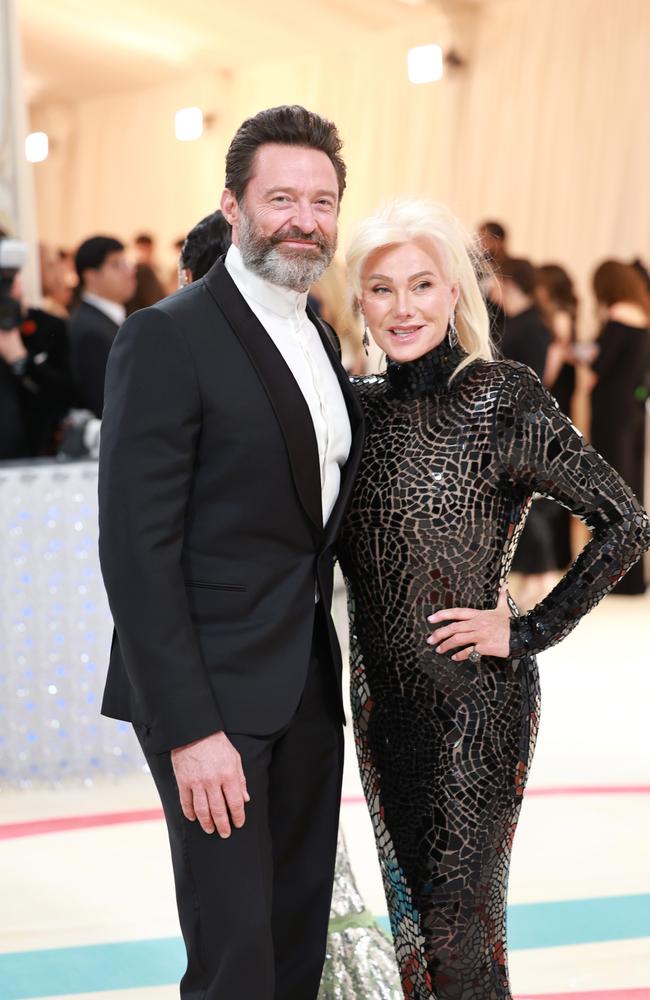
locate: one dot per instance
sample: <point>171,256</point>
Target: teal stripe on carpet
<point>160,962</point>
<point>91,968</point>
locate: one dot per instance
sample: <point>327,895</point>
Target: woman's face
<point>407,299</point>
<point>543,297</point>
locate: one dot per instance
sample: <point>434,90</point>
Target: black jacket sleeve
<point>541,451</point>
<point>150,428</point>
<point>90,356</point>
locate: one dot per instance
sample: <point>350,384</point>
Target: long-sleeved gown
<point>444,747</point>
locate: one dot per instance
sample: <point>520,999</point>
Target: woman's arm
<point>542,451</point>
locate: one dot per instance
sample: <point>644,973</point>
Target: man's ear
<point>230,207</point>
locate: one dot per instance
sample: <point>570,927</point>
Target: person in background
<point>106,283</point>
<point>493,240</point>
<point>56,287</point>
<point>144,250</point>
<point>333,306</point>
<point>205,243</point>
<point>558,306</point>
<point>620,389</point>
<point>148,287</point>
<point>526,339</point>
<point>171,275</point>
<point>36,384</point>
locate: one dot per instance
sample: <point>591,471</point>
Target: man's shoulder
<point>86,318</point>
<point>191,302</point>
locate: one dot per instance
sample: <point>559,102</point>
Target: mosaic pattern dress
<point>444,747</point>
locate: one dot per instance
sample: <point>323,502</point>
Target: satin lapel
<point>355,413</point>
<point>281,387</point>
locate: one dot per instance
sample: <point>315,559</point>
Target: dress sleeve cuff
<point>527,636</point>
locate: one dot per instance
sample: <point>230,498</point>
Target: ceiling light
<point>36,147</point>
<point>425,64</point>
<point>188,124</point>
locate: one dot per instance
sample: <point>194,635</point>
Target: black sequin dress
<point>444,747</point>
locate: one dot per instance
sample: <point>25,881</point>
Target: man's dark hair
<point>521,273</point>
<point>288,125</point>
<point>93,252</point>
<point>495,229</point>
<point>208,240</point>
<point>144,240</point>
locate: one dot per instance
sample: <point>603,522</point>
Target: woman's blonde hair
<point>406,220</point>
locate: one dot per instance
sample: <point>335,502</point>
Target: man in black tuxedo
<point>230,441</point>
<point>107,282</point>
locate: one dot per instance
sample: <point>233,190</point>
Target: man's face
<point>143,253</point>
<point>114,280</point>
<point>285,226</point>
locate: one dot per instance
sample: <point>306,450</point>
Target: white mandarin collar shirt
<point>282,313</point>
<point>113,310</point>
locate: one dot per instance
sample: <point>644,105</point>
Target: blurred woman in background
<point>558,304</point>
<point>621,369</point>
<point>329,297</point>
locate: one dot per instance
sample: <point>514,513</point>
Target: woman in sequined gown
<point>445,725</point>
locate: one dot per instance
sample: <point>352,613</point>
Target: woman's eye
<point>424,286</point>
<point>379,289</point>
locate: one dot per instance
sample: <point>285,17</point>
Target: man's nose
<point>304,216</point>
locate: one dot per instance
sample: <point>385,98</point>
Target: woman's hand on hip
<point>486,633</point>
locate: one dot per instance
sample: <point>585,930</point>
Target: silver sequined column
<point>360,963</point>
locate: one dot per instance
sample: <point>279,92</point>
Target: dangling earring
<point>366,339</point>
<point>452,332</point>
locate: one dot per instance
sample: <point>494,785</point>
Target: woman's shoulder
<point>507,388</point>
<point>494,375</point>
<point>370,386</point>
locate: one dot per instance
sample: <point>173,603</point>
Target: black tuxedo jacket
<point>211,534</point>
<point>91,333</point>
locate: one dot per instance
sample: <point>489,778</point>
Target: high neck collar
<point>282,301</point>
<point>426,374</point>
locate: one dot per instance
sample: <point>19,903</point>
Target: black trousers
<point>254,908</point>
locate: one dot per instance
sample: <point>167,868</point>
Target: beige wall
<point>543,130</point>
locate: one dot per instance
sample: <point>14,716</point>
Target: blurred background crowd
<point>52,362</point>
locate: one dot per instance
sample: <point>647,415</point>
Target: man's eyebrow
<point>292,190</point>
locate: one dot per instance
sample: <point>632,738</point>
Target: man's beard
<point>288,267</point>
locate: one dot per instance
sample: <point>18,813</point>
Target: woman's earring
<point>452,332</point>
<point>366,339</point>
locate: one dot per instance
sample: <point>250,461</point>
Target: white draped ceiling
<point>543,128</point>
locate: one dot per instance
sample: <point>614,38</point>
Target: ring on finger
<point>474,656</point>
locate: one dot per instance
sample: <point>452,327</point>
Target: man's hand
<point>11,346</point>
<point>211,783</point>
<point>484,632</point>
